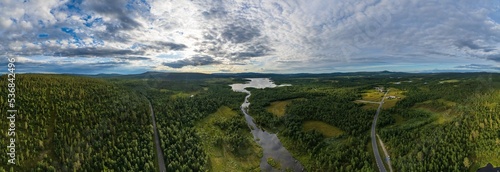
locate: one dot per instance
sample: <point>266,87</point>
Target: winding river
<point>271,145</point>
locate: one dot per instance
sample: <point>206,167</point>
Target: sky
<point>268,36</point>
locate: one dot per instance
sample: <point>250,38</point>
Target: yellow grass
<point>324,128</point>
<point>376,96</point>
<point>373,95</point>
<point>450,81</point>
<point>442,114</point>
<point>388,103</point>
<point>221,159</point>
<point>278,107</point>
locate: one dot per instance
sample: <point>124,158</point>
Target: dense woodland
<point>69,123</point>
<point>445,122</point>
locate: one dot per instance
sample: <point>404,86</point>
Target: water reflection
<point>270,143</point>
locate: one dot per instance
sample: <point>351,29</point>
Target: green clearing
<point>449,81</point>
<point>278,107</point>
<point>220,156</point>
<point>180,95</point>
<point>440,109</point>
<point>322,127</point>
<point>376,96</point>
<point>391,102</point>
<point>372,95</point>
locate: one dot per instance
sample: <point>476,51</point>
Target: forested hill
<point>72,123</point>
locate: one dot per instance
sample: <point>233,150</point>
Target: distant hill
<point>198,76</point>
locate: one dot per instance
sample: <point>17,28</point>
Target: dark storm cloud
<point>194,61</point>
<point>479,67</point>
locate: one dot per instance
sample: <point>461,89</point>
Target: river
<point>271,145</point>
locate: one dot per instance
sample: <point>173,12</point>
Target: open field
<point>180,95</point>
<point>440,108</point>
<point>373,95</point>
<point>449,81</point>
<point>322,127</point>
<point>393,97</point>
<point>278,107</point>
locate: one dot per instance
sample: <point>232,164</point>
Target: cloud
<point>171,46</point>
<point>236,33</point>
<point>479,67</point>
<point>194,61</point>
<point>134,58</point>
<point>494,57</point>
<point>114,9</point>
<point>271,35</point>
<point>30,66</point>
<point>473,46</point>
<point>79,52</point>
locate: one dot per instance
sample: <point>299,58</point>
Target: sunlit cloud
<point>250,36</point>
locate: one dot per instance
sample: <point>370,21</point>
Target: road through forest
<point>380,163</point>
<point>159,152</point>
